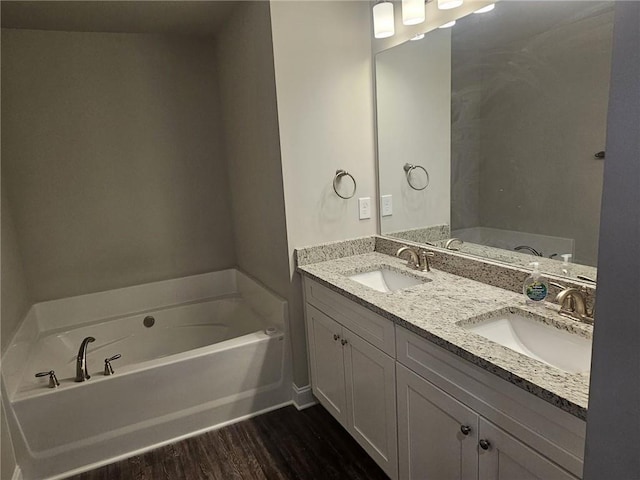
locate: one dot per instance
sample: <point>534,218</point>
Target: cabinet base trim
<point>302,397</point>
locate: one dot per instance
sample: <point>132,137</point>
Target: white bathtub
<point>207,360</point>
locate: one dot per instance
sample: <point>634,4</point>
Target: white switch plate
<point>364,205</point>
<point>387,205</point>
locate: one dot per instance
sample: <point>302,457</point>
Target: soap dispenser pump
<point>535,287</point>
<point>566,264</point>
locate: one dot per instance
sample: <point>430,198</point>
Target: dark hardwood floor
<point>283,444</point>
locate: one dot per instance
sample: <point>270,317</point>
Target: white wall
<point>322,54</point>
<point>112,159</point>
<point>413,84</point>
<point>250,125</point>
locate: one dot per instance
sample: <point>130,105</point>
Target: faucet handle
<point>108,369</point>
<point>424,263</point>
<point>53,380</point>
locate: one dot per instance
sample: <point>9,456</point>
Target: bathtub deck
<point>283,444</point>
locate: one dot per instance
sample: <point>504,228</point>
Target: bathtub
<point>215,353</point>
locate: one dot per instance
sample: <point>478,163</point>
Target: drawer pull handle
<point>343,341</point>
<point>484,444</point>
<point>465,429</point>
<point>336,336</point>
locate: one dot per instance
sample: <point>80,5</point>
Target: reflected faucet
<point>450,244</point>
<point>82,373</point>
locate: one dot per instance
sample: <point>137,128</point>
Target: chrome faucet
<point>418,260</point>
<point>82,373</point>
<point>573,304</point>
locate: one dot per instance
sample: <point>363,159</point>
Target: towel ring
<point>339,174</point>
<point>408,168</point>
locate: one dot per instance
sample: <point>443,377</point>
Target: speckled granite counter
<point>435,311</point>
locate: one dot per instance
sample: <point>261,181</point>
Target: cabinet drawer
<point>554,433</point>
<point>376,330</point>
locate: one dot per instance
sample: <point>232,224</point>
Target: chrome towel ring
<point>408,168</point>
<point>339,174</point>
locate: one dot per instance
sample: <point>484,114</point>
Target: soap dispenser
<point>535,287</point>
<point>566,264</point>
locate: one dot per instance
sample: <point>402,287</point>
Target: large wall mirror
<point>493,132</point>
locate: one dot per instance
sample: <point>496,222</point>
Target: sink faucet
<point>573,304</point>
<point>82,373</point>
<point>418,260</point>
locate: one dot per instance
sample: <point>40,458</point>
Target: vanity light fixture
<point>449,4</point>
<point>412,12</point>
<point>448,24</point>
<point>383,21</point>
<point>419,36</point>
<point>486,9</point>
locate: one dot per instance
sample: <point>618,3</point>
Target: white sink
<point>560,349</point>
<point>386,280</point>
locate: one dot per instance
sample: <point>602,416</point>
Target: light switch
<point>364,205</point>
<point>387,205</point>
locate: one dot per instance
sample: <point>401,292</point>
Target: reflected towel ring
<point>339,174</point>
<point>408,168</point>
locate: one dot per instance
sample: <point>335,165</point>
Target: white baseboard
<point>17,474</point>
<point>302,397</point>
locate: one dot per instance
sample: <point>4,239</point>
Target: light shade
<point>412,12</point>
<point>448,24</point>
<point>486,9</point>
<point>448,4</point>
<point>383,26</point>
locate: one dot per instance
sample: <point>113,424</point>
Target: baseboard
<point>302,397</point>
<point>17,474</point>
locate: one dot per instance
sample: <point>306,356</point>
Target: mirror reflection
<point>503,119</point>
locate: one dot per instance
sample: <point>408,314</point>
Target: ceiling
<point>201,18</point>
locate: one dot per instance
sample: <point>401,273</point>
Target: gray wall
<point>112,159</point>
<point>613,426</point>
<point>248,99</point>
<point>542,118</point>
<point>7,456</point>
<point>14,297</point>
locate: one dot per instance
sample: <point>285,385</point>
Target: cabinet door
<point>507,458</point>
<point>327,363</point>
<point>431,442</point>
<point>371,401</point>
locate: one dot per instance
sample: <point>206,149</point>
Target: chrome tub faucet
<point>82,373</point>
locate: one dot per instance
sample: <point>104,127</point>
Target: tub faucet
<point>82,373</point>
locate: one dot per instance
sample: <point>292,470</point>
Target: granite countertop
<point>437,309</point>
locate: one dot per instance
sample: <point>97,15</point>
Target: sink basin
<point>560,349</point>
<point>386,280</point>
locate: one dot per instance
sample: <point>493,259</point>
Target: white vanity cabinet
<point>456,422</point>
<point>424,413</point>
<point>353,379</point>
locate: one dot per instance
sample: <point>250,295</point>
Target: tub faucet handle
<point>108,369</point>
<point>53,380</point>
